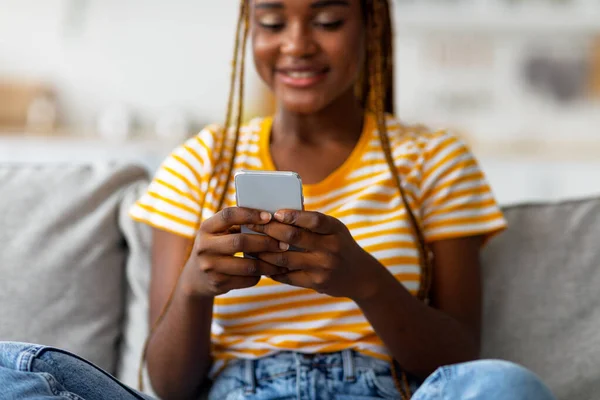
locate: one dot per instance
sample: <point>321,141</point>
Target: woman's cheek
<point>265,56</point>
<point>347,62</point>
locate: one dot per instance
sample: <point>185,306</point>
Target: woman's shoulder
<point>422,139</point>
<point>203,145</point>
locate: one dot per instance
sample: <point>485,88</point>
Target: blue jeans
<point>44,373</point>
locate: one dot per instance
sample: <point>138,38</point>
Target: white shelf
<point>496,18</point>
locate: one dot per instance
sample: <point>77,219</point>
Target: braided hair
<point>375,92</point>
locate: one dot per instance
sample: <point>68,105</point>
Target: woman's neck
<point>341,121</point>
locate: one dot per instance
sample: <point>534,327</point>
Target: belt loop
<point>348,365</point>
<point>250,376</point>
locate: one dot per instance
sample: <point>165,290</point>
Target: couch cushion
<point>542,295</point>
<point>135,323</point>
<point>62,256</point>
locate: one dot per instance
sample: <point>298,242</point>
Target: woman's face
<point>309,52</point>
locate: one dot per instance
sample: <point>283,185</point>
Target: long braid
<point>243,20</point>
<point>234,66</point>
<point>380,92</point>
<point>245,17</point>
<point>379,43</point>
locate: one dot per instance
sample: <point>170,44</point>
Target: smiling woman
<point>384,300</point>
<point>315,69</point>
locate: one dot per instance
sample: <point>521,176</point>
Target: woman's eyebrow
<point>316,4</point>
<point>269,5</point>
<point>329,3</point>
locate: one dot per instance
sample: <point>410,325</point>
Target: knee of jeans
<point>500,376</point>
<point>10,353</point>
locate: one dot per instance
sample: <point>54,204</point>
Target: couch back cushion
<point>542,295</point>
<point>62,256</point>
<point>135,322</point>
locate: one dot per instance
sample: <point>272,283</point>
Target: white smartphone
<point>268,191</point>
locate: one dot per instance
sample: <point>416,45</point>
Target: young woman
<point>385,299</point>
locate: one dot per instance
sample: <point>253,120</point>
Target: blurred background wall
<point>149,56</point>
<point>130,79</point>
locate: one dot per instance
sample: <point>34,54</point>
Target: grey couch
<point>74,272</point>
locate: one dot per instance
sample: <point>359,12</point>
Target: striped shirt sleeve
<point>173,200</point>
<point>456,198</point>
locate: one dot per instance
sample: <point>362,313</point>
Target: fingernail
<point>284,246</point>
<point>265,216</point>
<point>280,216</point>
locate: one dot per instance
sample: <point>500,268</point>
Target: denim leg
<point>483,380</point>
<point>37,372</point>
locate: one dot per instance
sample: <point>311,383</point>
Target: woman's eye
<point>330,26</point>
<point>271,26</point>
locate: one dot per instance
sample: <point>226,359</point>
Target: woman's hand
<point>212,268</point>
<point>331,261</point>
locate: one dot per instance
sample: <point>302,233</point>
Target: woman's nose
<point>298,41</point>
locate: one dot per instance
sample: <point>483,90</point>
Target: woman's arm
<point>423,338</point>
<point>179,351</point>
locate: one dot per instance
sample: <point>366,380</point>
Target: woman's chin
<point>305,106</point>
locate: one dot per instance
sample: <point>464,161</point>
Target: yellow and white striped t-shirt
<point>446,189</point>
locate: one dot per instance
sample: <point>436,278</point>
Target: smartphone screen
<point>268,191</point>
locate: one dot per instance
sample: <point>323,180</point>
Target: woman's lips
<point>301,78</point>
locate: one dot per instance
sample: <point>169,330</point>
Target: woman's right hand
<point>212,268</point>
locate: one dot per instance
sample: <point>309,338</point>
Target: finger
<point>313,221</point>
<point>234,229</point>
<point>295,278</point>
<point>219,284</point>
<point>290,235</point>
<point>232,216</point>
<point>290,260</point>
<point>242,282</point>
<point>241,243</point>
<point>237,266</point>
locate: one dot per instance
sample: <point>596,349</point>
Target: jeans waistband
<point>289,362</point>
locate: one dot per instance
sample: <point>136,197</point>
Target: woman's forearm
<point>179,352</point>
<point>419,337</point>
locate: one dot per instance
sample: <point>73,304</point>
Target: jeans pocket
<point>384,383</point>
<point>227,388</point>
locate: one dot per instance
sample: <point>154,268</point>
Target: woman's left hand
<point>330,261</point>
